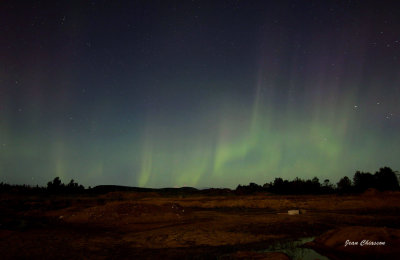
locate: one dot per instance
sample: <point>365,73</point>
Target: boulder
<point>359,242</point>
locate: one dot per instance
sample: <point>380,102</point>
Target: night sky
<point>197,93</point>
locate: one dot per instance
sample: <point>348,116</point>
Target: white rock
<point>293,212</point>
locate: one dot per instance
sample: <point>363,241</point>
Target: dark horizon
<point>385,179</point>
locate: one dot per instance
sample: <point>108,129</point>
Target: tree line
<point>383,180</point>
<point>56,186</point>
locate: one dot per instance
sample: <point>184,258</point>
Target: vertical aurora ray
<point>59,157</point>
<point>260,143</point>
<point>194,168</point>
<point>233,150</point>
<point>146,163</point>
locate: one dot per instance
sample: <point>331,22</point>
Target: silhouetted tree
<point>297,186</point>
<point>327,187</point>
<point>363,181</point>
<point>56,186</point>
<point>344,185</point>
<point>266,186</point>
<point>248,189</point>
<point>386,179</point>
<point>277,186</point>
<point>315,185</point>
<point>72,184</point>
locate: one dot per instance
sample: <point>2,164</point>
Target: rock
<point>357,241</point>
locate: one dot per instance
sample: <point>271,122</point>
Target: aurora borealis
<point>197,93</point>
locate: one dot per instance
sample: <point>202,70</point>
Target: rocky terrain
<point>145,225</point>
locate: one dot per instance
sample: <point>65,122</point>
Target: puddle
<point>294,250</point>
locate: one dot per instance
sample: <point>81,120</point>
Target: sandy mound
<point>125,212</point>
<point>126,195</point>
<point>359,241</point>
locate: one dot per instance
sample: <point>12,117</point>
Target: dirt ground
<point>139,225</point>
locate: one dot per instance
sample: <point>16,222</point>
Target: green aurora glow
<point>241,99</point>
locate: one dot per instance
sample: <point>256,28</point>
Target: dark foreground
<point>147,225</point>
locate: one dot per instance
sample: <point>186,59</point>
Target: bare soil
<point>140,225</point>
